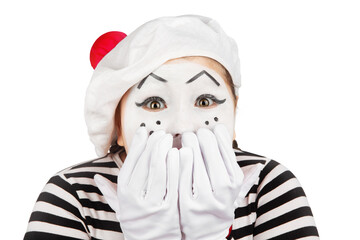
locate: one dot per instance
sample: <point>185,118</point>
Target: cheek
<point>223,114</point>
<point>132,119</point>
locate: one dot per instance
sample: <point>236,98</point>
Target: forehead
<point>185,69</point>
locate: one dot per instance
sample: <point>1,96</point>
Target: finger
<point>156,184</point>
<point>186,173</point>
<point>173,171</point>
<point>137,146</point>
<point>214,162</point>
<point>108,190</point>
<point>200,178</point>
<point>225,145</point>
<point>139,176</point>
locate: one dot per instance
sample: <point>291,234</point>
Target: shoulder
<point>78,180</point>
<point>83,171</point>
<point>276,186</point>
<point>71,206</point>
<point>80,176</point>
<point>74,188</point>
<point>276,206</point>
<point>248,160</point>
<point>271,175</point>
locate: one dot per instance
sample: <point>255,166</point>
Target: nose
<point>181,123</point>
<point>183,119</point>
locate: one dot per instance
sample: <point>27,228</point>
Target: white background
<point>298,104</point>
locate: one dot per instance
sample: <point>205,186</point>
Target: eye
<point>206,100</point>
<point>152,103</point>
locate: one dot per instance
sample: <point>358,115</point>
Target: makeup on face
<point>178,97</point>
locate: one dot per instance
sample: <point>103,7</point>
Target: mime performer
<point>160,110</point>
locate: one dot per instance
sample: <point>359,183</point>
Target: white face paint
<point>178,97</point>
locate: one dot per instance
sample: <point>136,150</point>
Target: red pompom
<point>104,44</point>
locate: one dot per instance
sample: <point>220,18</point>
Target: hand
<point>146,197</point>
<point>210,182</point>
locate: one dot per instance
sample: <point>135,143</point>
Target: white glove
<point>208,165</point>
<point>146,197</point>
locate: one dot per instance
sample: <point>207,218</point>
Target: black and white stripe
<point>71,207</point>
<point>276,208</point>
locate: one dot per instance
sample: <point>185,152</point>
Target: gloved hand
<point>146,197</point>
<point>210,183</point>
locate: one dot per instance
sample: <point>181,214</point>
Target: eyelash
<point>162,101</point>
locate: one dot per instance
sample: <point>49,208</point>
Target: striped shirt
<point>71,206</point>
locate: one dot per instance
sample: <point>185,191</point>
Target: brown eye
<point>203,102</point>
<point>207,100</point>
<point>154,105</point>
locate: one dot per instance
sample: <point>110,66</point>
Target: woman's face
<point>178,96</point>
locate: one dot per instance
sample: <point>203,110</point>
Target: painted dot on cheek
<point>158,122</point>
<point>207,122</point>
<point>142,125</point>
<point>216,119</point>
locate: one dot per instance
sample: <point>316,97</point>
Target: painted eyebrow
<point>200,74</point>
<point>154,76</point>
<point>189,81</point>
